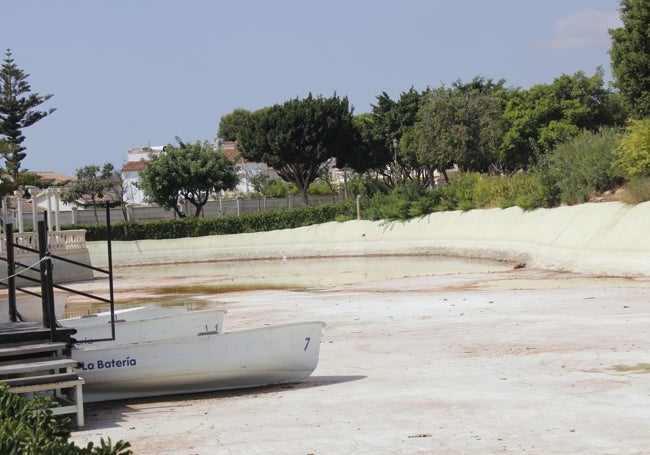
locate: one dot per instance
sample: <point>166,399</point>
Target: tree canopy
<point>230,124</point>
<point>480,126</point>
<point>630,55</point>
<point>462,126</point>
<point>390,133</point>
<point>187,172</point>
<point>546,114</point>
<point>298,137</point>
<point>17,111</point>
<point>94,187</point>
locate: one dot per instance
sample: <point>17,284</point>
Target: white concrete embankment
<point>604,238</point>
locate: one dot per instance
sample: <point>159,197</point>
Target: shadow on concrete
<point>110,413</point>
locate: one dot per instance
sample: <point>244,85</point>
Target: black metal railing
<point>46,280</point>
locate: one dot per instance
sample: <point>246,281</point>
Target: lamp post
<point>395,158</point>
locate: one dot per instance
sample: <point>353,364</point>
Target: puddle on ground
<point>179,284</point>
<point>305,273</point>
<point>638,368</point>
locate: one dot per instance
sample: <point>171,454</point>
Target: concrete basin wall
<point>600,238</point>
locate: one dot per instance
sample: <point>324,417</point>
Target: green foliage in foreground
<point>29,428</point>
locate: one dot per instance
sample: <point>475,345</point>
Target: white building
<point>246,170</point>
<point>137,161</point>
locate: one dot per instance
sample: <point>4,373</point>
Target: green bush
<point>278,188</point>
<point>532,191</point>
<point>638,190</point>
<point>584,165</point>
<point>633,151</point>
<point>402,203</point>
<point>321,188</point>
<point>249,222</point>
<point>469,190</point>
<point>461,192</point>
<point>367,186</point>
<point>29,428</point>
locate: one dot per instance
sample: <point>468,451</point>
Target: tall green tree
<point>630,55</point>
<point>190,172</point>
<point>370,151</point>
<point>17,111</point>
<point>230,124</point>
<point>391,121</point>
<point>94,187</point>
<point>298,137</point>
<point>547,114</point>
<point>459,127</point>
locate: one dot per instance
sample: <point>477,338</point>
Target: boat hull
<point>247,358</point>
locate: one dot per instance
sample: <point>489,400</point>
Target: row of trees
<point>481,126</point>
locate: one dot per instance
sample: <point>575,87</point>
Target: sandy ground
<point>550,358</point>
<point>517,361</point>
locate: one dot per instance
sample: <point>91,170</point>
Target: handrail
<point>46,242</point>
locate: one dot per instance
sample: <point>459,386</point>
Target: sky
<point>133,73</point>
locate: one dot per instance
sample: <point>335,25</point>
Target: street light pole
<point>395,158</point>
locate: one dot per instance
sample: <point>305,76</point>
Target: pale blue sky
<point>129,73</point>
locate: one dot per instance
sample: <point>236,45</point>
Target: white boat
<point>199,362</point>
<point>141,324</point>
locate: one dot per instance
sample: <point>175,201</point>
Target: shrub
<point>584,165</point>
<point>532,191</point>
<point>279,188</point>
<point>468,191</point>
<point>633,152</point>
<point>638,190</point>
<point>28,427</point>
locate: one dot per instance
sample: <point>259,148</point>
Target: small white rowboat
<point>199,363</point>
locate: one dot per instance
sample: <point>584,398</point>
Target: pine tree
<point>17,111</point>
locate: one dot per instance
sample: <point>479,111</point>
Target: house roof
<point>134,166</point>
<point>230,149</point>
